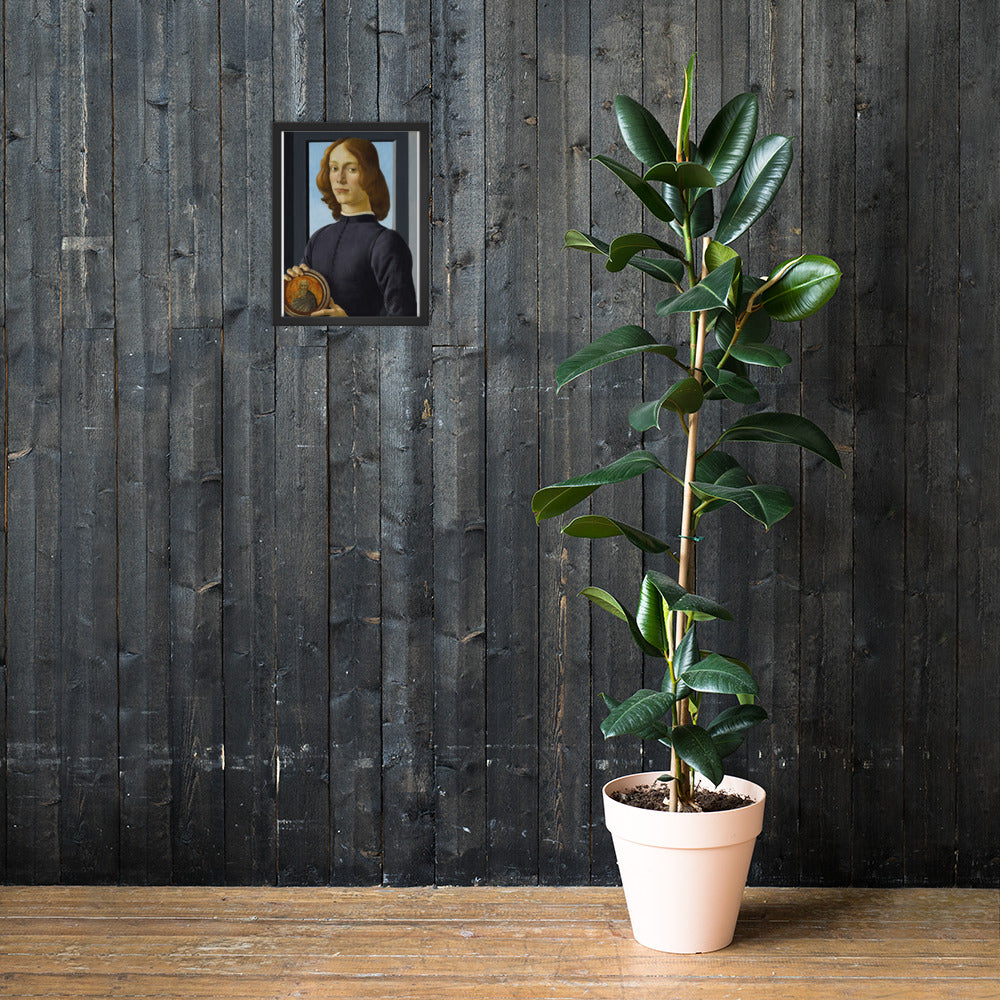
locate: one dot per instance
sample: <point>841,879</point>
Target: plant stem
<point>686,562</point>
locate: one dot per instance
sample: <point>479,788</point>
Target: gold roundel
<point>306,293</point>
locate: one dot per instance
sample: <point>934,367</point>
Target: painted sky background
<point>319,214</point>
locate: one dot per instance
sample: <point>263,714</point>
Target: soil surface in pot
<point>656,797</point>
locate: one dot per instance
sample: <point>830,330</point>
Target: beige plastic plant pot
<point>683,873</point>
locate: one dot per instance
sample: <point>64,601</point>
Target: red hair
<point>372,180</point>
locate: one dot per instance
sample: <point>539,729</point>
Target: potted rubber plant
<point>684,862</point>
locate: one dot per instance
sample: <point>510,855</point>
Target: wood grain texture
<point>881,322</point>
<point>142,340</point>
<point>568,943</point>
<point>249,631</point>
<point>512,635</point>
<point>195,682</point>
<point>289,619</point>
<point>615,300</point>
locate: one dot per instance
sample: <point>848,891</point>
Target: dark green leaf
<point>717,254</point>
<point>594,526</point>
<point>728,138</point>
<point>732,386</point>
<point>639,188</point>
<point>783,428</point>
<point>685,397</point>
<point>624,248</point>
<point>767,504</point>
<point>716,674</point>
<point>671,271</point>
<point>679,599</point>
<point>651,618</point>
<point>655,730</point>
<point>736,719</point>
<point>712,292</point>
<point>681,175</point>
<point>608,603</point>
<point>560,497</point>
<point>623,342</point>
<point>766,355</point>
<point>802,290</point>
<point>756,329</point>
<point>580,241</point>
<point>642,133</point>
<point>695,746</point>
<point>684,120</point>
<point>703,214</point>
<point>761,177</point>
<point>685,656</point>
<point>727,744</point>
<point>719,468</point>
<point>635,715</point>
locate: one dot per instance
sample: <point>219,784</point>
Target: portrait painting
<point>351,224</point>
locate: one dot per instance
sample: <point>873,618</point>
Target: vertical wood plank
<point>31,287</point>
<point>86,267</point>
<point>193,114</point>
<point>929,763</point>
<point>828,386</point>
<point>301,503</point>
<point>302,785</point>
<point>196,710</point>
<point>880,439</point>
<point>563,328</point>
<point>458,290</point>
<point>978,714</point>
<point>354,521</point>
<point>248,444</point>
<point>615,300</point>
<point>512,442</point>
<point>88,702</point>
<point>773,558</point>
<point>142,338</point>
<point>407,512</point>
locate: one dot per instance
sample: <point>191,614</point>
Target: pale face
<point>345,179</point>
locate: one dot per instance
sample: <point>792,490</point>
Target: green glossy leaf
<point>636,714</point>
<point>719,468</point>
<point>624,248</point>
<point>595,526</point>
<point>695,746</point>
<point>736,719</point>
<point>718,675</point>
<point>651,617</point>
<point>580,241</point>
<point>712,292</point>
<point>655,731</point>
<point>732,386</point>
<point>551,501</point>
<point>671,271</point>
<point>717,254</point>
<point>783,428</point>
<point>765,355</point>
<point>679,599</point>
<point>624,342</point>
<point>729,136</point>
<point>728,743</point>
<point>684,119</point>
<point>703,214</point>
<point>767,504</point>
<point>713,359</point>
<point>639,188</point>
<point>762,175</point>
<point>756,330</point>
<point>804,289</point>
<point>663,304</point>
<point>685,656</point>
<point>642,133</point>
<point>681,175</point>
<point>606,602</point>
<point>685,396</point>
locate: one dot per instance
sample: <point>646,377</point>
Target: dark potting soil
<point>657,797</point>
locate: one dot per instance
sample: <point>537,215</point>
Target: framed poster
<point>351,241</point>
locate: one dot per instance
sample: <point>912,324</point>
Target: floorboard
<point>489,943</point>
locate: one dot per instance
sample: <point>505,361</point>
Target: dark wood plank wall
<point>275,608</point>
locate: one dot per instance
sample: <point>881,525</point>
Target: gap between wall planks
<point>195,689</point>
<point>796,944</point>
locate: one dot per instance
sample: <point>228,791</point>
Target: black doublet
<point>369,267</point>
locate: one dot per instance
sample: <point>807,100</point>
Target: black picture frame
<point>403,151</point>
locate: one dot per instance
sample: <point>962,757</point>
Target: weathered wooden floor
<point>486,943</point>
